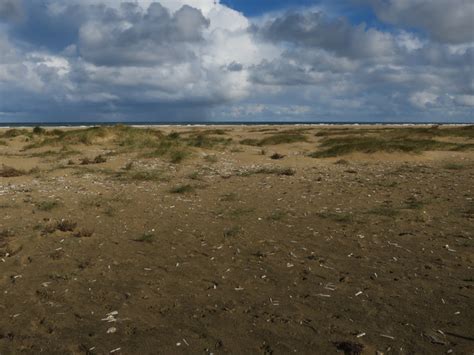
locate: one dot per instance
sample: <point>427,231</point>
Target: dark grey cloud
<point>447,21</point>
<point>11,10</point>
<point>234,66</point>
<point>128,37</point>
<point>315,30</point>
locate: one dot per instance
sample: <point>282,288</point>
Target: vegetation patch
<point>275,139</point>
<point>384,211</point>
<point>64,152</point>
<point>47,206</point>
<point>232,231</point>
<point>38,130</point>
<point>194,175</point>
<point>333,147</point>
<point>84,233</point>
<point>8,171</point>
<point>427,132</point>
<point>206,141</point>
<point>145,238</point>
<point>239,212</point>
<point>276,156</point>
<point>454,166</point>
<point>141,175</point>
<point>342,217</point>
<point>210,158</point>
<point>182,189</point>
<point>14,132</point>
<point>65,225</point>
<point>412,203</point>
<point>269,171</point>
<point>229,197</point>
<point>77,136</point>
<point>277,215</point>
<point>97,160</point>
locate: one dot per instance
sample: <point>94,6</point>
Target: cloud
<point>11,10</point>
<point>185,59</point>
<point>315,30</point>
<point>447,21</point>
<point>129,37</point>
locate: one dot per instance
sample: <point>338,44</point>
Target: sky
<point>237,60</point>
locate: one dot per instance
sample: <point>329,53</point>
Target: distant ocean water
<point>233,123</point>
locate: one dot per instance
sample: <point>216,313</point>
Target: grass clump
<point>205,141</point>
<point>210,158</point>
<point>229,197</point>
<point>232,231</point>
<point>63,153</point>
<point>412,203</point>
<point>194,175</point>
<point>84,233</point>
<point>8,171</point>
<point>384,211</point>
<point>277,215</point>
<point>38,130</point>
<point>182,189</point>
<point>269,171</point>
<point>65,225</point>
<point>97,160</point>
<point>170,149</point>
<point>341,217</point>
<point>279,138</point>
<point>276,156</point>
<point>2,142</point>
<point>47,206</point>
<point>174,135</point>
<point>14,132</point>
<point>141,175</point>
<point>402,132</point>
<point>453,166</point>
<point>178,155</point>
<point>240,212</point>
<point>250,141</point>
<point>145,238</point>
<point>334,147</point>
<point>77,136</point>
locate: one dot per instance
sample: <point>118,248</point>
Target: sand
<point>230,251</point>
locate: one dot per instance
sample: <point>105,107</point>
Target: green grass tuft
<point>384,211</point>
<point>181,189</point>
<point>334,147</point>
<point>47,206</point>
<point>280,138</point>
<point>454,166</point>
<point>232,231</point>
<point>341,217</point>
<point>145,238</point>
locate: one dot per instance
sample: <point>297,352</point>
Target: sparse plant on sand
<point>181,189</point>
<point>146,237</point>
<point>8,171</point>
<point>232,231</point>
<point>47,206</point>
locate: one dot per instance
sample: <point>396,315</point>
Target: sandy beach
<point>266,239</point>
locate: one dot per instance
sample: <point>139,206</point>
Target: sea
<point>222,123</point>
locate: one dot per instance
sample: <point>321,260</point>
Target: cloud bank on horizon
<point>210,60</point>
